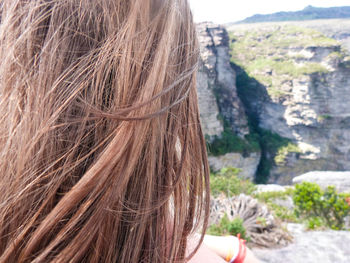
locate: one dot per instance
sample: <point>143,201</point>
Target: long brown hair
<point>102,154</point>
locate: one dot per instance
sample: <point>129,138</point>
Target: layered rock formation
<point>217,92</point>
<point>297,85</point>
<point>294,81</point>
<point>218,100</point>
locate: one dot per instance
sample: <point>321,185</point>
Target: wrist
<point>237,252</point>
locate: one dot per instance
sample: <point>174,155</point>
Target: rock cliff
<point>293,84</point>
<point>217,92</point>
<point>220,107</point>
<point>296,84</point>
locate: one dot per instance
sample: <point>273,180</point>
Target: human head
<point>102,154</point>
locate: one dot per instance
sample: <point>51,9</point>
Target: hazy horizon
<point>225,11</point>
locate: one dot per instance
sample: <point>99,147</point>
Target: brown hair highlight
<point>94,98</point>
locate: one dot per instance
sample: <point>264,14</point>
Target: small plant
<point>281,212</point>
<point>227,227</point>
<point>323,117</point>
<point>261,221</point>
<point>327,205</point>
<point>315,222</point>
<point>229,183</point>
<point>282,152</point>
<point>272,195</point>
<point>230,142</point>
<point>274,149</point>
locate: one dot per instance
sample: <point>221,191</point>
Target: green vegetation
<point>324,117</point>
<point>275,142</point>
<point>281,67</point>
<point>282,152</point>
<point>227,227</point>
<point>281,212</point>
<point>230,142</point>
<point>270,196</point>
<point>275,149</point>
<point>320,207</point>
<point>271,41</point>
<point>316,208</point>
<point>262,53</point>
<point>337,54</point>
<point>315,223</point>
<point>230,183</point>
<point>266,59</point>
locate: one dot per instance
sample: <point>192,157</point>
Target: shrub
<point>272,195</point>
<point>282,152</point>
<point>283,213</point>
<point>324,117</point>
<point>274,151</point>
<point>328,205</point>
<point>315,222</point>
<point>279,211</point>
<point>231,142</point>
<point>227,227</point>
<point>228,182</point>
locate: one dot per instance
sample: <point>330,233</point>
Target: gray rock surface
<point>218,99</point>
<point>206,77</point>
<point>316,117</point>
<point>311,109</point>
<point>341,180</point>
<point>310,247</point>
<point>248,164</point>
<point>261,188</point>
<point>217,77</point>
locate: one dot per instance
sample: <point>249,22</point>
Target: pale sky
<point>224,11</point>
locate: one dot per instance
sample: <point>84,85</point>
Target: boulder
<point>310,247</point>
<point>341,180</point>
<point>248,164</point>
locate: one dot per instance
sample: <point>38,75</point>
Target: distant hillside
<point>308,13</point>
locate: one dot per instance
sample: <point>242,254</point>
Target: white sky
<point>224,11</point>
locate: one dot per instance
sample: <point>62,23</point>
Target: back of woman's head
<point>102,155</point>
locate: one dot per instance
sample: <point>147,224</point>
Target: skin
<point>205,254</point>
<point>215,249</point>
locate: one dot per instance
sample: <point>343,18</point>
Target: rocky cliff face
<point>206,78</point>
<point>217,83</point>
<point>338,29</point>
<point>218,101</point>
<point>297,85</point>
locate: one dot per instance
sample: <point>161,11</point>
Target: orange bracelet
<point>229,256</point>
